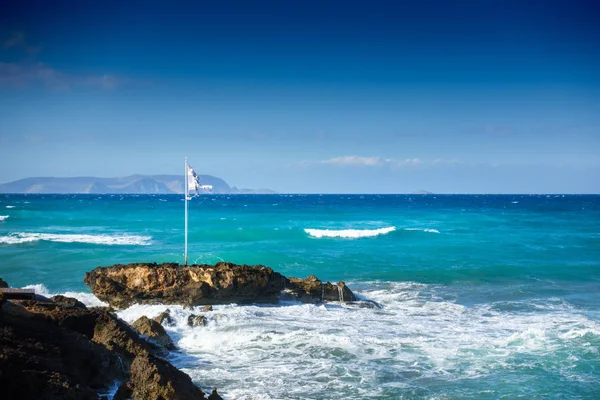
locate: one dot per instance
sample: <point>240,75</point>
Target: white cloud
<point>362,161</point>
<point>17,40</point>
<point>354,160</point>
<point>38,73</point>
<point>368,161</point>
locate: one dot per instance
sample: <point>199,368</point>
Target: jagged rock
<point>48,351</point>
<point>312,290</point>
<point>165,317</point>
<point>124,285</point>
<point>206,308</point>
<point>155,379</point>
<point>39,359</point>
<point>68,301</point>
<point>214,395</point>
<point>197,320</point>
<point>365,304</point>
<point>154,331</point>
<point>3,284</point>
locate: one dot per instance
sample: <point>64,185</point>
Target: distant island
<point>421,192</point>
<point>134,184</point>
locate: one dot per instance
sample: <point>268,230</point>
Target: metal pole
<point>185,196</point>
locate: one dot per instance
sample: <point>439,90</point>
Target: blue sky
<point>299,96</point>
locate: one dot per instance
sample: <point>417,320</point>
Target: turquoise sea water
<point>483,296</point>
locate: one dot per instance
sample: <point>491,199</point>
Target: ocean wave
<point>10,206</point>
<point>3,217</point>
<point>349,233</point>
<point>429,230</point>
<point>22,237</point>
<point>418,333</point>
<point>86,298</point>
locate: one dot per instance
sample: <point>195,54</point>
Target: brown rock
<point>154,331</point>
<point>48,351</point>
<point>197,320</point>
<point>206,308</point>
<point>124,285</point>
<point>214,395</point>
<point>155,379</point>
<point>68,301</point>
<point>165,317</point>
<point>41,360</point>
<point>312,290</point>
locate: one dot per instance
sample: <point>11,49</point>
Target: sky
<point>483,96</point>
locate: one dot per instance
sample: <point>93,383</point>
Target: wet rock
<point>68,301</point>
<point>365,304</point>
<point>3,284</point>
<point>48,351</point>
<point>214,395</point>
<point>39,359</point>
<point>165,318</point>
<point>206,308</point>
<point>312,290</point>
<point>222,283</point>
<point>197,320</point>
<point>154,331</point>
<point>152,378</point>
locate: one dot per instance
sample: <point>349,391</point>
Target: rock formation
<point>312,290</point>
<point>154,331</point>
<point>124,285</point>
<point>49,351</point>
<point>197,320</point>
<point>223,283</point>
<point>3,284</point>
<point>165,317</point>
<point>68,301</point>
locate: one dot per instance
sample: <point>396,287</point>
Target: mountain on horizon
<point>134,184</point>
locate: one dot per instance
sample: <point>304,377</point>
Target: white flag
<point>194,183</point>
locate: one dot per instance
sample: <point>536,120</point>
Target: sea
<point>481,296</point>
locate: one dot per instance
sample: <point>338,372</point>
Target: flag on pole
<point>194,182</point>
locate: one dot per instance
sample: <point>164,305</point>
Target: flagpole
<point>185,195</point>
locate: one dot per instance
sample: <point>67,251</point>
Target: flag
<point>194,182</point>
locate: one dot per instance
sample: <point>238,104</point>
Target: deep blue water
<point>499,296</point>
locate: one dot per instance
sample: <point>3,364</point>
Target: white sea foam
<point>10,206</point>
<point>349,233</point>
<point>330,351</point>
<point>25,237</point>
<point>3,217</point>
<point>86,298</point>
<point>430,230</point>
<point>291,350</point>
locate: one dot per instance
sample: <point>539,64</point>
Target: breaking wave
<point>430,230</point>
<point>3,217</point>
<point>86,298</point>
<point>349,233</point>
<point>21,237</point>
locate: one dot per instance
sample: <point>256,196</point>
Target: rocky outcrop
<point>214,395</point>
<point>124,285</point>
<point>3,284</point>
<point>154,379</point>
<point>153,331</point>
<point>68,301</point>
<point>48,351</point>
<point>312,290</point>
<point>197,320</point>
<point>165,318</point>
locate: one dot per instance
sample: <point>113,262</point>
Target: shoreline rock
<point>52,351</point>
<point>194,285</point>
